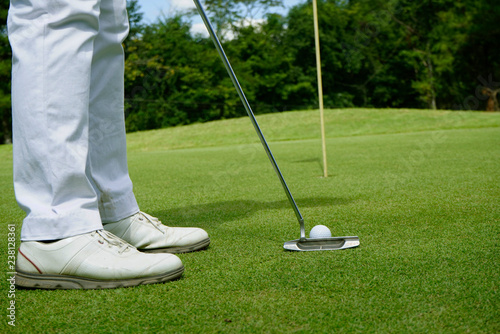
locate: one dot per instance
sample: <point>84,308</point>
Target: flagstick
<point>320,86</point>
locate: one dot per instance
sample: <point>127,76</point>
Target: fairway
<point>420,188</point>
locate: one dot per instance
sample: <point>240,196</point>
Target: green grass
<point>420,188</point>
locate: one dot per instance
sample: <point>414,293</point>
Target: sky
<point>152,9</point>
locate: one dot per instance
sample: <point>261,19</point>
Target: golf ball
<point>320,231</point>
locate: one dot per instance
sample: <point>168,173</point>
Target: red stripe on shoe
<point>34,265</point>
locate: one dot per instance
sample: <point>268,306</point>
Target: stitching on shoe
<point>34,265</point>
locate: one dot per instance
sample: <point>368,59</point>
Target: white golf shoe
<point>148,234</point>
<point>96,260</point>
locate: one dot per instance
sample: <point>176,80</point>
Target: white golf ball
<point>320,231</point>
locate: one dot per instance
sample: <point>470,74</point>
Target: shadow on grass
<point>205,215</point>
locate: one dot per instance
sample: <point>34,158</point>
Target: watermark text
<point>11,274</point>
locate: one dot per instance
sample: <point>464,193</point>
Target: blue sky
<point>154,8</point>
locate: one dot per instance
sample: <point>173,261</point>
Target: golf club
<point>302,244</point>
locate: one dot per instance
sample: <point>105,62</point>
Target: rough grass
<point>420,188</point>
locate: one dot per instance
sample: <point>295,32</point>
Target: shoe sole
<point>42,281</point>
<point>180,249</point>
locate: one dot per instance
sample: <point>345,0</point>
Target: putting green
<point>419,188</point>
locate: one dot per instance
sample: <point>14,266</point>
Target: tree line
<point>436,54</point>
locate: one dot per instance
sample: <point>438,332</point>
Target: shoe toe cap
<point>192,236</point>
<point>164,263</point>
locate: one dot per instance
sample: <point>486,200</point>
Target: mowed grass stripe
<point>299,125</point>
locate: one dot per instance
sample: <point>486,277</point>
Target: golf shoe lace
<point>112,240</point>
<point>154,221</point>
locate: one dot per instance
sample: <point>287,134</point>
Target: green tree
<point>228,15</point>
<point>477,66</point>
<point>343,62</point>
<point>175,78</point>
<point>375,54</point>
<point>422,24</point>
<point>135,21</point>
<point>427,37</point>
<point>377,74</point>
<point>262,62</point>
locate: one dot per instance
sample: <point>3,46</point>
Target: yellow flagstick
<point>320,86</point>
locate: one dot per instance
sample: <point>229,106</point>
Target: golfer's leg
<point>108,159</point>
<point>107,164</point>
<point>52,43</point>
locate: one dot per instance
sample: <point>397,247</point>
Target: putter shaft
<point>250,113</point>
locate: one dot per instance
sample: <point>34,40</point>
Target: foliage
<point>375,53</point>
<point>229,15</point>
<point>174,78</point>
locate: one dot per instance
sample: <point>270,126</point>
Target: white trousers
<point>70,164</point>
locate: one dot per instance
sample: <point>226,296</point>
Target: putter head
<point>319,244</point>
